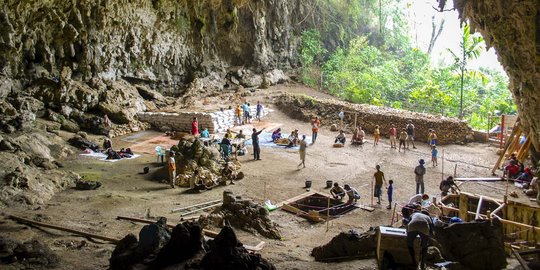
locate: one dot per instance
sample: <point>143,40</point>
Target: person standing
<point>245,108</point>
<point>434,153</point>
<point>256,147</point>
<point>390,191</point>
<point>302,151</point>
<point>421,225</point>
<point>238,114</point>
<point>402,138</point>
<point>432,137</point>
<point>315,124</point>
<point>393,134</point>
<point>194,127</point>
<point>259,111</point>
<point>172,168</point>
<point>376,135</point>
<point>419,171</point>
<point>379,179</point>
<point>410,134</point>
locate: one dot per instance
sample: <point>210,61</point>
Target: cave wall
<point>164,43</point>
<point>512,28</point>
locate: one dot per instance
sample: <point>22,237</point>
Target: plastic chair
<point>160,153</point>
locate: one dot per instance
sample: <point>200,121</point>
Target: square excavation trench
<point>315,207</point>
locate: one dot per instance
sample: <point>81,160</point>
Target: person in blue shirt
<point>434,153</point>
<point>390,192</point>
<point>205,133</point>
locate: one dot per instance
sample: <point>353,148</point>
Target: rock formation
<point>512,28</point>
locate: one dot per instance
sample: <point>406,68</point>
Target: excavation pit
<point>318,207</point>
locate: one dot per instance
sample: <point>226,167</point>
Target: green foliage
<point>361,53</point>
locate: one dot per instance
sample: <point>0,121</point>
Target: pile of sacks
<point>183,248</point>
<point>191,155</point>
<point>242,214</point>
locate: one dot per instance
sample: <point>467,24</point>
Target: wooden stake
<point>46,225</point>
<point>393,214</point>
<point>442,166</point>
<point>355,116</point>
<point>328,215</point>
<point>372,192</point>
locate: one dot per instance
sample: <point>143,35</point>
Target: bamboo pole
<point>372,191</point>
<point>195,205</point>
<point>60,228</point>
<point>507,144</point>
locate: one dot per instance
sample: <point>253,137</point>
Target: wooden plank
<point>367,208</point>
<point>463,207</point>
<point>487,179</point>
<point>60,228</point>
<point>295,198</point>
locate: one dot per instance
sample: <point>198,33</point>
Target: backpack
<point>410,129</point>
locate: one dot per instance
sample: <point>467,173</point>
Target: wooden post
<point>393,214</point>
<point>355,116</point>
<point>507,145</point>
<point>328,215</point>
<point>463,207</point>
<point>372,192</point>
<point>455,171</point>
<point>502,131</point>
<point>442,166</point>
<point>46,225</point>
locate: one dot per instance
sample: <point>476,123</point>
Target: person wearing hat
<point>419,172</point>
<point>172,168</point>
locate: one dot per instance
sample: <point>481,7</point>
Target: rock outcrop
<point>512,28</point>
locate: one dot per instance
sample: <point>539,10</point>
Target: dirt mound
<point>184,248</point>
<point>476,245</point>
<point>243,214</point>
<point>226,252</point>
<point>449,130</point>
<point>346,246</point>
<point>27,255</point>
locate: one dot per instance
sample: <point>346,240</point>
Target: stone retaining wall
<point>448,130</point>
<point>216,122</point>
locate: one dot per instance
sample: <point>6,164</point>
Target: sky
<point>420,12</point>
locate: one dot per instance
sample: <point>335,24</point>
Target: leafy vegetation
<point>376,64</point>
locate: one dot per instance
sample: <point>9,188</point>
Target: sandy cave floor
<point>126,192</point>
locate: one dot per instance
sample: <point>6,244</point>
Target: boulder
<point>33,253</point>
<point>87,185</point>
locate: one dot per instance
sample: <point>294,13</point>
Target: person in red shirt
<point>315,124</point>
<point>512,170</point>
<point>393,134</point>
<point>194,127</point>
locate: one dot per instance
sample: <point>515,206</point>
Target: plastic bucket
<point>308,183</point>
<point>329,183</point>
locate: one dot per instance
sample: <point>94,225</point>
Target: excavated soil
<point>275,177</point>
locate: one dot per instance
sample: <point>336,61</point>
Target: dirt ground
<point>276,177</point>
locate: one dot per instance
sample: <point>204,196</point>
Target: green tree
<point>470,48</point>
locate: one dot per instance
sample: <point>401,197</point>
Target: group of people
<point>112,154</point>
<point>243,113</point>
